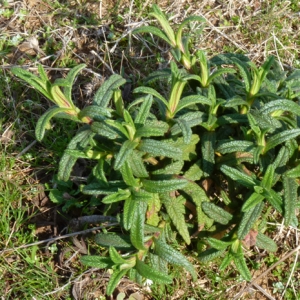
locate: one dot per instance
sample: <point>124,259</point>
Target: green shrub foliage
<point>233,130</point>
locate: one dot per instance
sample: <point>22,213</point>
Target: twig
<point>266,272</point>
<point>65,236</point>
<point>263,291</point>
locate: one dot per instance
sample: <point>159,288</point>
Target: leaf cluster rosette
<point>206,161</point>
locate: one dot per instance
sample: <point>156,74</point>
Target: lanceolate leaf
<point>173,256</point>
<point>70,80</point>
<point>266,243</point>
<point>160,148</point>
<point>114,280</point>
<point>290,199</point>
<point>238,176</point>
<point>281,105</point>
<point>244,72</point>
<point>137,165</point>
<point>127,175</point>
<point>144,110</point>
<point>115,256</point>
<point>44,121</point>
<point>118,241</point>
<point>240,262</point>
<point>268,178</point>
<point>248,220</point>
<point>124,152</point>
<point>252,201</point>
<point>210,254</point>
<point>191,100</point>
<point>216,213</point>
<point>153,92</point>
<point>130,207</point>
<point>294,173</point>
<point>185,129</point>
<point>162,186</point>
<point>67,161</point>
<point>105,92</point>
<point>116,197</point>
<point>152,273</point>
<point>281,137</point>
<point>176,210</point>
<point>280,163</point>
<point>153,30</point>
<point>225,146</point>
<point>137,227</point>
<point>218,244</point>
<point>96,261</point>
<point>208,140</point>
<point>42,85</point>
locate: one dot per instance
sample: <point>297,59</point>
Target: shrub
<point>221,145</point>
